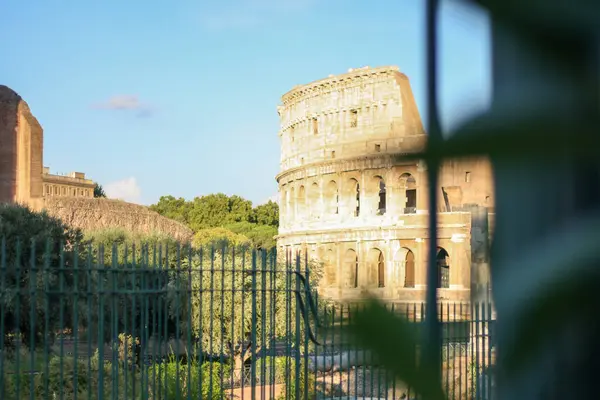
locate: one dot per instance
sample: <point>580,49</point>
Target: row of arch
<point>317,201</point>
<point>401,270</point>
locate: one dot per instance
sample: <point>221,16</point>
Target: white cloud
<point>126,102</point>
<point>121,102</point>
<point>126,189</point>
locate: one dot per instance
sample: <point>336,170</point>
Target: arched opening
<point>330,268</point>
<point>291,205</point>
<point>380,271</point>
<point>443,265</point>
<point>351,193</point>
<point>314,200</point>
<point>283,204</point>
<point>331,198</point>
<point>351,268</point>
<point>409,185</point>
<point>376,268</point>
<point>301,203</point>
<point>409,270</point>
<point>382,198</point>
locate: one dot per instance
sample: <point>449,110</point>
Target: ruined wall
<point>21,150</point>
<point>466,182</point>
<point>92,214</point>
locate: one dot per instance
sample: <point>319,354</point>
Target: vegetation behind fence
<point>173,322</point>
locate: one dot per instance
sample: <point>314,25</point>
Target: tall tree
<point>209,211</point>
<point>240,209</point>
<point>222,317</point>
<point>267,214</point>
<point>170,207</point>
<point>99,191</point>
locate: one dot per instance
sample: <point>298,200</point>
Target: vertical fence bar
<point>156,322</point>
<point>297,332</point>
<point>222,313</point>
<point>211,312</point>
<point>273,322</point>
<point>32,317</point>
<point>232,383</point>
<point>339,330</point>
<point>74,295</point>
<point>17,335</point>
<point>432,349</point>
<point>463,374</point>
<point>191,353</point>
<point>489,367</point>
<point>3,273</point>
<point>288,321</point>
<point>306,379</point>
<point>253,334</point>
<point>244,273</point>
<point>90,322</point>
<point>263,323</point>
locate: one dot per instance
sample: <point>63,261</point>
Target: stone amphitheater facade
<point>347,202</point>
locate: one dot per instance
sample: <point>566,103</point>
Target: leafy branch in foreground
<point>395,341</point>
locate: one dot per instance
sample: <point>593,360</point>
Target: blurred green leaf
<point>567,15</point>
<point>394,342</point>
<point>530,136</point>
<point>556,280</point>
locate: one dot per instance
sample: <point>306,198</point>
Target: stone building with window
<point>347,202</point>
<point>23,179</point>
<point>73,184</point>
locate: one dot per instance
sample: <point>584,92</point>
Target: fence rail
<point>88,322</point>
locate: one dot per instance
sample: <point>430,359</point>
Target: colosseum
<point>346,200</point>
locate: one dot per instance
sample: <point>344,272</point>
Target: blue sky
<point>179,97</point>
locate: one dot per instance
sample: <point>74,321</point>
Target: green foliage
<point>176,209</point>
<point>183,381</point>
<point>260,236</point>
<point>218,209</point>
<point>218,238</point>
<point>282,369</point>
<point>267,214</point>
<point>114,252</point>
<point>222,318</point>
<point>215,316</point>
<point>30,241</point>
<point>68,379</point>
<point>99,191</point>
<point>212,216</point>
<point>127,246</point>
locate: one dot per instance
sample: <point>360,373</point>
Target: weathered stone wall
<point>21,148</point>
<point>92,214</point>
<point>467,181</point>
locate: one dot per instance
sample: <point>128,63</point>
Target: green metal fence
<point>87,322</point>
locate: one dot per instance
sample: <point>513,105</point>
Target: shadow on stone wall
<point>94,214</point>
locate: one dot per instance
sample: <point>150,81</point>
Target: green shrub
<point>67,376</point>
<point>285,372</point>
<point>123,243</point>
<point>182,381</point>
<point>30,241</point>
